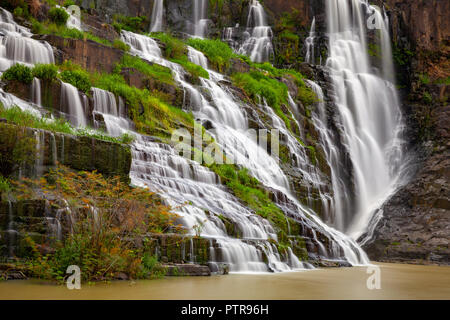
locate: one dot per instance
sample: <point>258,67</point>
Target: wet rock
<point>187,270</point>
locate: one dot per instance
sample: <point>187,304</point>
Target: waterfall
<point>258,43</point>
<point>16,44</point>
<point>369,115</point>
<point>113,115</point>
<point>157,16</point>
<point>310,57</point>
<point>200,17</point>
<point>156,165</point>
<point>36,91</point>
<point>72,105</point>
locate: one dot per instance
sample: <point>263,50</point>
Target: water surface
<point>398,281</point>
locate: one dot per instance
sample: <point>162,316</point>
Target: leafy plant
<point>58,16</point>
<point>217,52</point>
<point>78,78</point>
<point>18,72</point>
<point>45,71</point>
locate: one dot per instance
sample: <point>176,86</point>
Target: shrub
<point>99,241</point>
<point>133,24</point>
<point>45,71</point>
<point>18,72</point>
<point>78,78</point>
<point>58,16</point>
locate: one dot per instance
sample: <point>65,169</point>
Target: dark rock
<point>187,270</point>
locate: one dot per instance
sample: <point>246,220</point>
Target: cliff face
<point>414,227</point>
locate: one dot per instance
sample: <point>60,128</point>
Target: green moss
<point>155,71</point>
<point>173,48</point>
<point>217,52</point>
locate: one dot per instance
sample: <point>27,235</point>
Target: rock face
<point>90,55</point>
<point>79,153</point>
<point>415,226</point>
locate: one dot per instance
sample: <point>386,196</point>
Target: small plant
<point>45,71</point>
<point>5,187</point>
<point>77,78</point>
<point>119,44</point>
<point>18,72</point>
<point>58,16</point>
<point>198,228</point>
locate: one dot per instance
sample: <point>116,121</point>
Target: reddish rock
<point>90,55</point>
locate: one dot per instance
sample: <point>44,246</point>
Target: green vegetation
<point>58,15</point>
<point>217,52</point>
<point>45,71</point>
<point>77,78</point>
<point>155,71</point>
<point>258,86</point>
<point>251,192</point>
<point>119,44</point>
<point>176,51</point>
<point>64,32</point>
<point>133,24</point>
<point>195,70</point>
<point>424,79</point>
<point>173,48</point>
<point>18,72</point>
<point>30,120</point>
<point>100,239</point>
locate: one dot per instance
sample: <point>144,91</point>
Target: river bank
<point>398,281</point>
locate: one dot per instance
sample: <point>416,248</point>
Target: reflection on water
<point>398,281</point>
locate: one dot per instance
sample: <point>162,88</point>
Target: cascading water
<point>200,19</point>
<point>369,115</point>
<point>157,16</point>
<point>230,122</point>
<point>36,91</point>
<point>309,58</point>
<point>17,46</point>
<point>258,43</point>
<point>72,105</point>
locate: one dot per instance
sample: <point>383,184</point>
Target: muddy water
<point>398,281</point>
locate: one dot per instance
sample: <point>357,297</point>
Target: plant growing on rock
<point>18,72</point>
<point>45,71</point>
<point>58,16</point>
<point>106,216</point>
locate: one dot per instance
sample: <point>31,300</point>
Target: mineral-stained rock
<point>90,55</point>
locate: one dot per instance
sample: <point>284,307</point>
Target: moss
<point>218,53</point>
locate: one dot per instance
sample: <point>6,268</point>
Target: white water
<point>258,43</point>
<point>36,91</point>
<point>17,46</point>
<point>369,113</point>
<point>200,18</point>
<point>157,16</point>
<point>229,120</point>
<point>72,105</point>
<point>310,43</point>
